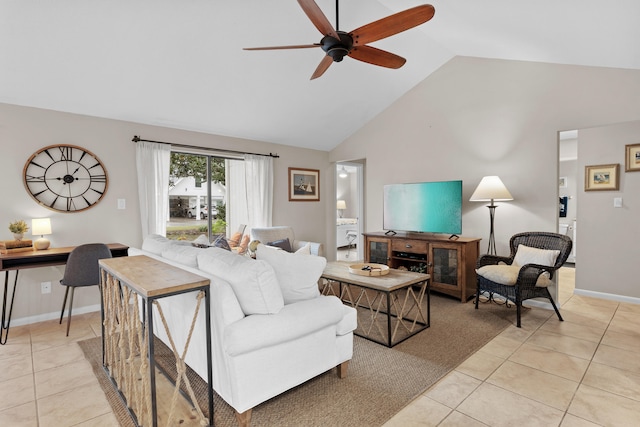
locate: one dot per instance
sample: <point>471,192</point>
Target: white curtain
<point>259,189</point>
<point>152,162</point>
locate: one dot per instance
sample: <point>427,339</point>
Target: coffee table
<point>397,297</point>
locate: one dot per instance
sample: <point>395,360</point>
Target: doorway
<point>349,211</point>
<point>567,211</point>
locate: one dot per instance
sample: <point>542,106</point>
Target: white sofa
<point>271,328</point>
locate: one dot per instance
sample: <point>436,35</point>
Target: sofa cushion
<point>186,255</point>
<point>508,275</point>
<point>297,274</point>
<point>155,244</point>
<point>528,255</point>
<point>254,282</point>
<point>292,322</point>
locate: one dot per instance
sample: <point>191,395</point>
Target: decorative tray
<point>369,269</point>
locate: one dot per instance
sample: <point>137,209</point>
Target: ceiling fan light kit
<point>338,44</point>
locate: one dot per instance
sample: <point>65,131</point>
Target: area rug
<point>380,380</point>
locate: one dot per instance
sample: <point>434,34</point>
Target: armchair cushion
<point>297,274</point>
<point>528,255</point>
<point>254,281</point>
<point>508,275</point>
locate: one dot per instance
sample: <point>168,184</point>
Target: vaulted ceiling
<point>180,63</point>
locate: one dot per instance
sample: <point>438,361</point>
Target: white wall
<point>25,130</point>
<point>476,117</point>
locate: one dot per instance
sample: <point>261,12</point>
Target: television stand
<point>450,261</point>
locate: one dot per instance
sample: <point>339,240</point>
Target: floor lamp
<point>491,189</point>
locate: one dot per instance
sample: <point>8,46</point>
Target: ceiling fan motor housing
<point>337,49</point>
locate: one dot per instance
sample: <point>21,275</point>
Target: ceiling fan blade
<point>297,46</point>
<point>393,24</point>
<point>318,18</point>
<point>377,56</point>
<point>322,67</point>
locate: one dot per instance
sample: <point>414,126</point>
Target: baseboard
<point>50,316</point>
<point>604,295</point>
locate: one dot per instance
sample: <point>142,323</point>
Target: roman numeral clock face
<point>65,178</point>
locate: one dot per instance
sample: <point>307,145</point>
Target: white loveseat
<point>271,328</point>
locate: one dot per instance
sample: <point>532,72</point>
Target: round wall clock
<point>65,178</point>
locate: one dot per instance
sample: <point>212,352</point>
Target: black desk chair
<point>82,270</point>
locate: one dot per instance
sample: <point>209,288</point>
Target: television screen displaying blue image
<point>427,207</point>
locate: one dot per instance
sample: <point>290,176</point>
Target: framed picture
<point>602,177</point>
<point>563,182</point>
<point>632,158</point>
<point>304,185</point>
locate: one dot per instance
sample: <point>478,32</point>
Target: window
<point>195,207</point>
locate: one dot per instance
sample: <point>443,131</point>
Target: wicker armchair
<point>518,282</point>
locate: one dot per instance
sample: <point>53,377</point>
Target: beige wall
<point>25,130</point>
<point>608,236</point>
<point>475,117</point>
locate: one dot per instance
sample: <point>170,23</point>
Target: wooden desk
<point>35,259</point>
<point>131,288</point>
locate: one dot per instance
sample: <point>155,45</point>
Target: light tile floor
<point>584,371</point>
<point>581,372</point>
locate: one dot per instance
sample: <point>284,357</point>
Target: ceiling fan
<point>338,44</point>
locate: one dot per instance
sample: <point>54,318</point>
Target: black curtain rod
<point>136,138</point>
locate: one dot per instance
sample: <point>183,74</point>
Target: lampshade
<point>341,204</point>
<point>343,174</point>
<point>41,226</point>
<point>491,188</point>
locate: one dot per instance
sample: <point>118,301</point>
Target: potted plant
<point>18,228</point>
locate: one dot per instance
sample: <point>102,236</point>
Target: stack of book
<point>13,246</point>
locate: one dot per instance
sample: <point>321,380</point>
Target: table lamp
<point>491,189</point>
<point>42,227</point>
<point>341,205</point>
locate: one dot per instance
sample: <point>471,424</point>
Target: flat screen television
<point>425,207</point>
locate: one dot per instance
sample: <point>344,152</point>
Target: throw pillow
<point>282,244</point>
<point>305,250</point>
<point>201,242</point>
<point>528,255</point>
<point>297,274</point>
<point>254,282</point>
<point>235,239</point>
<point>221,242</point>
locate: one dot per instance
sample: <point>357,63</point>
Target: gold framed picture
<point>602,177</point>
<point>632,158</point>
<point>304,185</point>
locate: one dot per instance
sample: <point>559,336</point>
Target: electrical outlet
<point>45,287</point>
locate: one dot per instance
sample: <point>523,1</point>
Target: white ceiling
<point>180,63</point>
